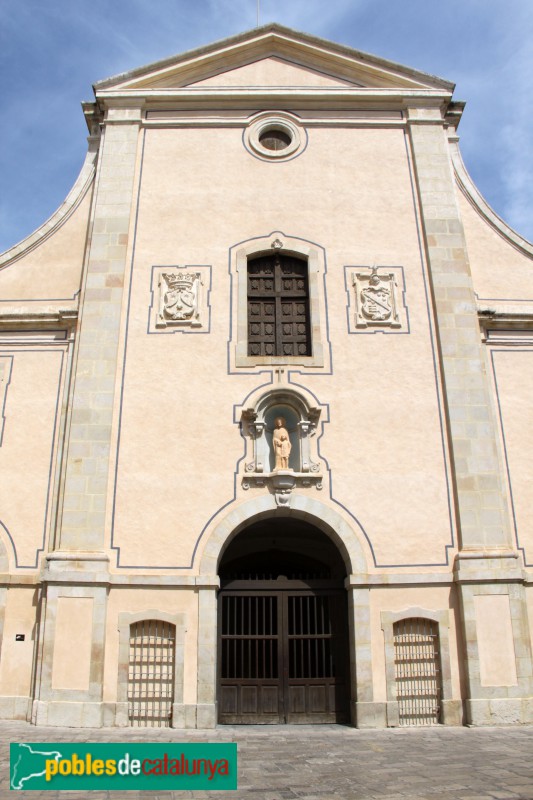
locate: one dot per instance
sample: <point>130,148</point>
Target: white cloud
<point>58,49</point>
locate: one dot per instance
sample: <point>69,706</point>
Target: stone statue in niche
<point>285,451</point>
<point>279,464</point>
<point>281,444</point>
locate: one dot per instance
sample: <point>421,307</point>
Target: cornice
<point>274,39</point>
<point>46,316</point>
<point>253,94</point>
<point>506,323</point>
<point>426,107</point>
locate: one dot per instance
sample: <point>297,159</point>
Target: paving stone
<point>327,762</point>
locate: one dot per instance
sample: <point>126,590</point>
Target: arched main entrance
<point>282,627</point>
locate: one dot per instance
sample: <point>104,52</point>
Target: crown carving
<point>179,280</point>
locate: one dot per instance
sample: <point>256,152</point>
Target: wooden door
<point>283,657</point>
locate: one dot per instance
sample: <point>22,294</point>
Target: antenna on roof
<point>257,13</point>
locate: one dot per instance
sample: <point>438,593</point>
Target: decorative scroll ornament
<point>375,299</point>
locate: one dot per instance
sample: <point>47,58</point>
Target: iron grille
<point>151,673</point>
<point>310,637</point>
<point>282,656</point>
<point>417,670</point>
<point>249,637</point>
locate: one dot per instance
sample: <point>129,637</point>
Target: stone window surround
<point>442,618</point>
<point>125,620</point>
<point>286,245</point>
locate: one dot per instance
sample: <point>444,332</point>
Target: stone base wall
<point>15,708</point>
<point>500,711</point>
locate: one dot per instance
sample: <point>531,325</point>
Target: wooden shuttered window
<point>278,306</point>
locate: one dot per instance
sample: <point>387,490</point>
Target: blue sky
<point>52,51</point>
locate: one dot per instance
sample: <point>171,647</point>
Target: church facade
<point>266,420</point>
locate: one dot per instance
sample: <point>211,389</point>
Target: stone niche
<point>261,428</point>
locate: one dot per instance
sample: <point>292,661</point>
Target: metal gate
<point>282,657</point>
<point>417,668</point>
<point>151,673</point>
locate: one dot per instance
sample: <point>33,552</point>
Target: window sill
<point>316,360</point>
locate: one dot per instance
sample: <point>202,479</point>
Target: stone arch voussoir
<point>347,539</point>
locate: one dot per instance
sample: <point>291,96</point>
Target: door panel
<point>250,684</point>
<point>316,681</point>
<point>283,657</point>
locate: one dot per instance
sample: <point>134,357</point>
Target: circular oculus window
<point>273,138</point>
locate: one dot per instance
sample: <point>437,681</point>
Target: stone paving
<point>323,762</point>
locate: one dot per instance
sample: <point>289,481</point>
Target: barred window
<point>151,673</point>
<point>418,671</point>
<point>278,306</point>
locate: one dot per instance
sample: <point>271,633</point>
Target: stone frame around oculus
<point>376,299</point>
<point>280,431</point>
<point>180,296</point>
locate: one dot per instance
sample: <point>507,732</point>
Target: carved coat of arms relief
<point>375,299</point>
<point>179,299</point>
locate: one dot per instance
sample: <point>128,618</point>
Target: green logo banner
<point>120,767</point>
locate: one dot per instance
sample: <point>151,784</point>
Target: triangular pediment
<point>272,71</point>
<point>273,56</point>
